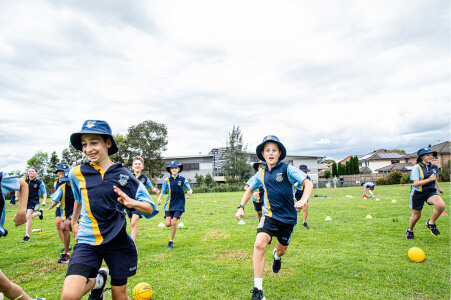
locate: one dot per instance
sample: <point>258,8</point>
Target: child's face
<point>60,174</point>
<point>428,157</point>
<point>95,148</point>
<point>174,171</point>
<point>32,173</point>
<point>271,153</point>
<point>137,166</point>
<point>260,166</point>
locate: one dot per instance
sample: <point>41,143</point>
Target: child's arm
<point>20,217</point>
<point>75,216</point>
<point>155,190</point>
<point>438,187</point>
<point>141,206</point>
<point>308,189</point>
<point>247,195</point>
<point>424,181</point>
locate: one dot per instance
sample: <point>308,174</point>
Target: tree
<point>327,174</point>
<point>236,166</point>
<point>329,161</point>
<point>53,162</point>
<point>356,165</point>
<point>40,161</point>
<point>348,168</point>
<point>339,169</point>
<point>148,140</point>
<point>400,151</point>
<point>199,179</point>
<point>71,156</point>
<point>121,155</point>
<point>334,169</point>
<point>209,180</point>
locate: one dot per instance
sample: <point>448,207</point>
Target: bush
<point>201,189</point>
<point>444,173</point>
<point>395,177</point>
<point>405,178</point>
<point>382,181</point>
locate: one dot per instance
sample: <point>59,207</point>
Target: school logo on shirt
<point>123,179</point>
<point>434,171</point>
<point>179,183</point>
<point>35,185</point>
<point>279,177</point>
<point>90,124</point>
<point>143,180</point>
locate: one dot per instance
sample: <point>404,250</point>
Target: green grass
<point>350,257</point>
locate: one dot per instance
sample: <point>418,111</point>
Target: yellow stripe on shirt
<point>268,206</point>
<point>420,188</point>
<point>169,197</point>
<point>95,225</point>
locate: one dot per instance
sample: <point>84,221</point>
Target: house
<point>401,167</point>
<point>443,155</point>
<point>324,167</point>
<point>379,159</point>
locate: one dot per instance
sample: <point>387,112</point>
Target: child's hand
<point>123,198</point>
<point>300,204</point>
<point>20,218</point>
<point>239,214</point>
<point>52,204</point>
<point>157,191</point>
<point>189,192</point>
<point>432,178</point>
<point>159,202</point>
<point>440,192</point>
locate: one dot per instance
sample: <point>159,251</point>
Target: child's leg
<point>371,193</point>
<point>59,223</point>
<point>305,213</point>
<point>66,235</point>
<point>167,221</point>
<point>134,225</point>
<point>259,214</point>
<point>260,244</point>
<point>280,249</point>
<point>76,286</point>
<point>174,228</point>
<point>437,201</point>
<point>119,292</point>
<point>29,221</point>
<point>11,290</point>
<point>416,214</point>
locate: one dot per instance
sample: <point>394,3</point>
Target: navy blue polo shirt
<point>101,216</point>
<point>145,180</point>
<point>65,196</point>
<point>278,185</point>
<point>420,172</point>
<point>176,198</point>
<point>34,187</point>
<point>300,187</point>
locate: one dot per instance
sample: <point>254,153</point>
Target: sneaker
<point>171,245</point>
<point>39,299</point>
<point>305,225</point>
<point>277,264</point>
<point>433,228</point>
<point>64,259</point>
<point>26,239</point>
<point>257,294</point>
<point>97,294</point>
<point>41,216</point>
<point>409,234</point>
<point>5,233</point>
<point>62,250</point>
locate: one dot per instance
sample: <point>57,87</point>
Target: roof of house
<point>365,170</point>
<point>442,148</point>
<point>396,167</point>
<point>381,154</point>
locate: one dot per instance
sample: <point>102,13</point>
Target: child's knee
<point>174,222</point>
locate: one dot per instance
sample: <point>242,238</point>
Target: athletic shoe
<point>97,294</point>
<point>257,294</point>
<point>305,225</point>
<point>26,239</point>
<point>64,259</point>
<point>39,299</point>
<point>277,264</point>
<point>4,233</point>
<point>62,250</point>
<point>433,228</point>
<point>171,245</point>
<point>41,216</point>
<point>409,234</point>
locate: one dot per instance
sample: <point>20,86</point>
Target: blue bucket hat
<point>425,150</point>
<point>256,164</point>
<point>304,168</point>
<point>94,127</point>
<point>174,164</point>
<point>274,139</point>
<point>62,167</point>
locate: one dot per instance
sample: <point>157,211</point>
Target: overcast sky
<point>332,78</point>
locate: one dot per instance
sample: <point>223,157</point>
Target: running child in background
<point>35,188</point>
<point>133,214</point>
<point>424,177</point>
<point>257,196</point>
<point>98,186</point>
<point>64,198</point>
<point>8,184</point>
<point>279,212</point>
<point>299,191</point>
<point>175,202</point>
<point>368,187</point>
<point>58,220</point>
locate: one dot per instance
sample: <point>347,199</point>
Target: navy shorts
<point>298,195</point>
<point>130,213</point>
<point>258,206</point>
<point>273,227</point>
<point>33,205</point>
<point>173,214</point>
<point>417,198</point>
<point>371,187</point>
<point>58,212</point>
<point>120,256</point>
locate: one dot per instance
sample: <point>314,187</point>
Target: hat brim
<point>255,165</point>
<point>75,140</point>
<point>306,170</point>
<point>282,149</point>
<point>169,168</point>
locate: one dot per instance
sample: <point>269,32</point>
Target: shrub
<point>219,189</point>
<point>382,181</point>
<point>444,173</point>
<point>201,189</point>
<point>405,178</point>
<point>395,177</point>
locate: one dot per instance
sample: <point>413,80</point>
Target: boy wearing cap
<point>299,191</point>
<point>133,214</point>
<point>64,198</point>
<point>58,220</point>
<point>7,184</point>
<point>35,188</point>
<point>279,212</point>
<point>98,186</point>
<point>424,177</point>
<point>368,187</point>
<point>175,202</point>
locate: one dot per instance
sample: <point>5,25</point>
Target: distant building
<point>379,159</point>
<point>323,168</point>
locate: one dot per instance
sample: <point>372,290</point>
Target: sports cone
<point>369,217</point>
<point>161,225</point>
<point>328,218</point>
<point>443,214</point>
<point>241,222</point>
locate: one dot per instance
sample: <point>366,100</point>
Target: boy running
<point>98,186</point>
<point>299,191</point>
<point>175,202</point>
<point>279,214</point>
<point>58,220</point>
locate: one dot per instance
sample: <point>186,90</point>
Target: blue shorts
<point>33,205</point>
<point>130,213</point>
<point>173,214</point>
<point>120,255</point>
<point>273,227</point>
<point>58,212</point>
<point>417,198</point>
<point>258,206</point>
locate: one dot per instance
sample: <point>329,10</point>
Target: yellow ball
<point>416,254</point>
<point>142,291</point>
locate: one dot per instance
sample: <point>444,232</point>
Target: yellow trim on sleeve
<point>420,188</point>
<point>63,202</point>
<point>268,206</point>
<point>95,225</point>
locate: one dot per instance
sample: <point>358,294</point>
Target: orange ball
<point>416,254</point>
<point>142,291</point>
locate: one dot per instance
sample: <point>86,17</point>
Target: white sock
<point>258,283</point>
<point>276,257</point>
<point>99,281</point>
<point>431,223</point>
<point>27,235</point>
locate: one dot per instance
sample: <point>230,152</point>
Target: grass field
<point>349,257</point>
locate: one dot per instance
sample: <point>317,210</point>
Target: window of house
<point>407,160</point>
<point>190,166</point>
<point>394,162</point>
<point>367,164</point>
